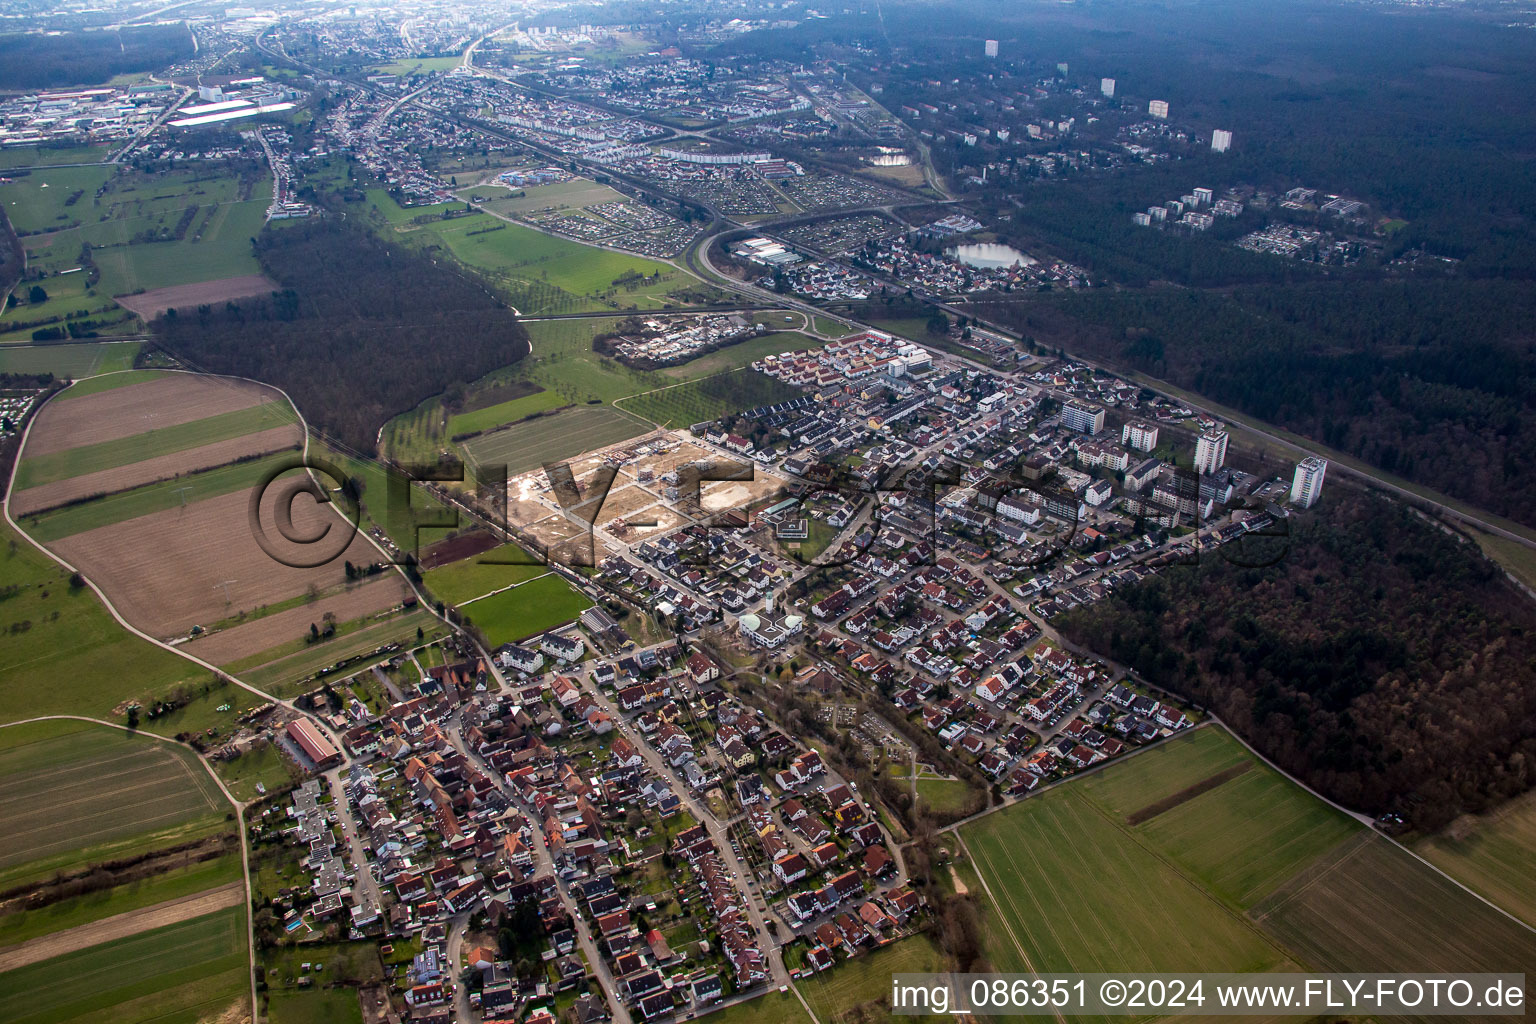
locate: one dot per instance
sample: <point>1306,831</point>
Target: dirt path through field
<point>121,926</point>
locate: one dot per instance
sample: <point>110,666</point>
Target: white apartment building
<point>1210,451</point>
<point>1307,485</point>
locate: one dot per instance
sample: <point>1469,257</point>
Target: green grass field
<point>538,272</point>
<point>503,412</point>
<point>482,574</point>
<point>945,796</point>
<point>563,363</point>
<point>527,446</point>
<point>75,792</point>
<point>1494,854</point>
<point>775,1006</point>
<point>76,658</point>
<point>108,382</point>
<point>176,883</point>
<point>83,360</point>
<point>223,250</point>
<point>710,398</point>
<point>1373,907</point>
<point>1076,893</point>
<point>123,451</point>
<point>264,764</point>
<point>185,972</point>
<point>578,193</point>
<point>1235,869</point>
<point>412,65</point>
<point>375,491</point>
<point>315,1006</point>
<point>835,994</point>
<point>33,156</point>
<point>155,497</point>
<point>527,610</point>
<point>39,201</point>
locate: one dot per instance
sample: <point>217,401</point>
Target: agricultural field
<point>865,981</point>
<point>150,304</point>
<point>1060,871</point>
<point>1494,854</point>
<point>176,883</point>
<point>75,792</point>
<point>73,360</point>
<point>119,506</point>
<point>1373,907</point>
<point>1249,873</point>
<point>51,458</point>
<point>157,415</point>
<point>34,156</point>
<point>279,629</point>
<point>193,970</point>
<point>293,668</point>
<point>488,417</point>
<point>184,558</point>
<point>76,659</point>
<point>526,610</point>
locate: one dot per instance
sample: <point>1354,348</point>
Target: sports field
<point>1494,854</point>
<point>1195,856</point>
<point>529,445</point>
<point>186,972</point>
<point>75,792</point>
<point>483,573</point>
<point>532,608</point>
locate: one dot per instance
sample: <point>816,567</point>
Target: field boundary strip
<point>1186,794</point>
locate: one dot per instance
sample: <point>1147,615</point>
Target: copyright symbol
<point>307,536</point>
<point>1112,992</point>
